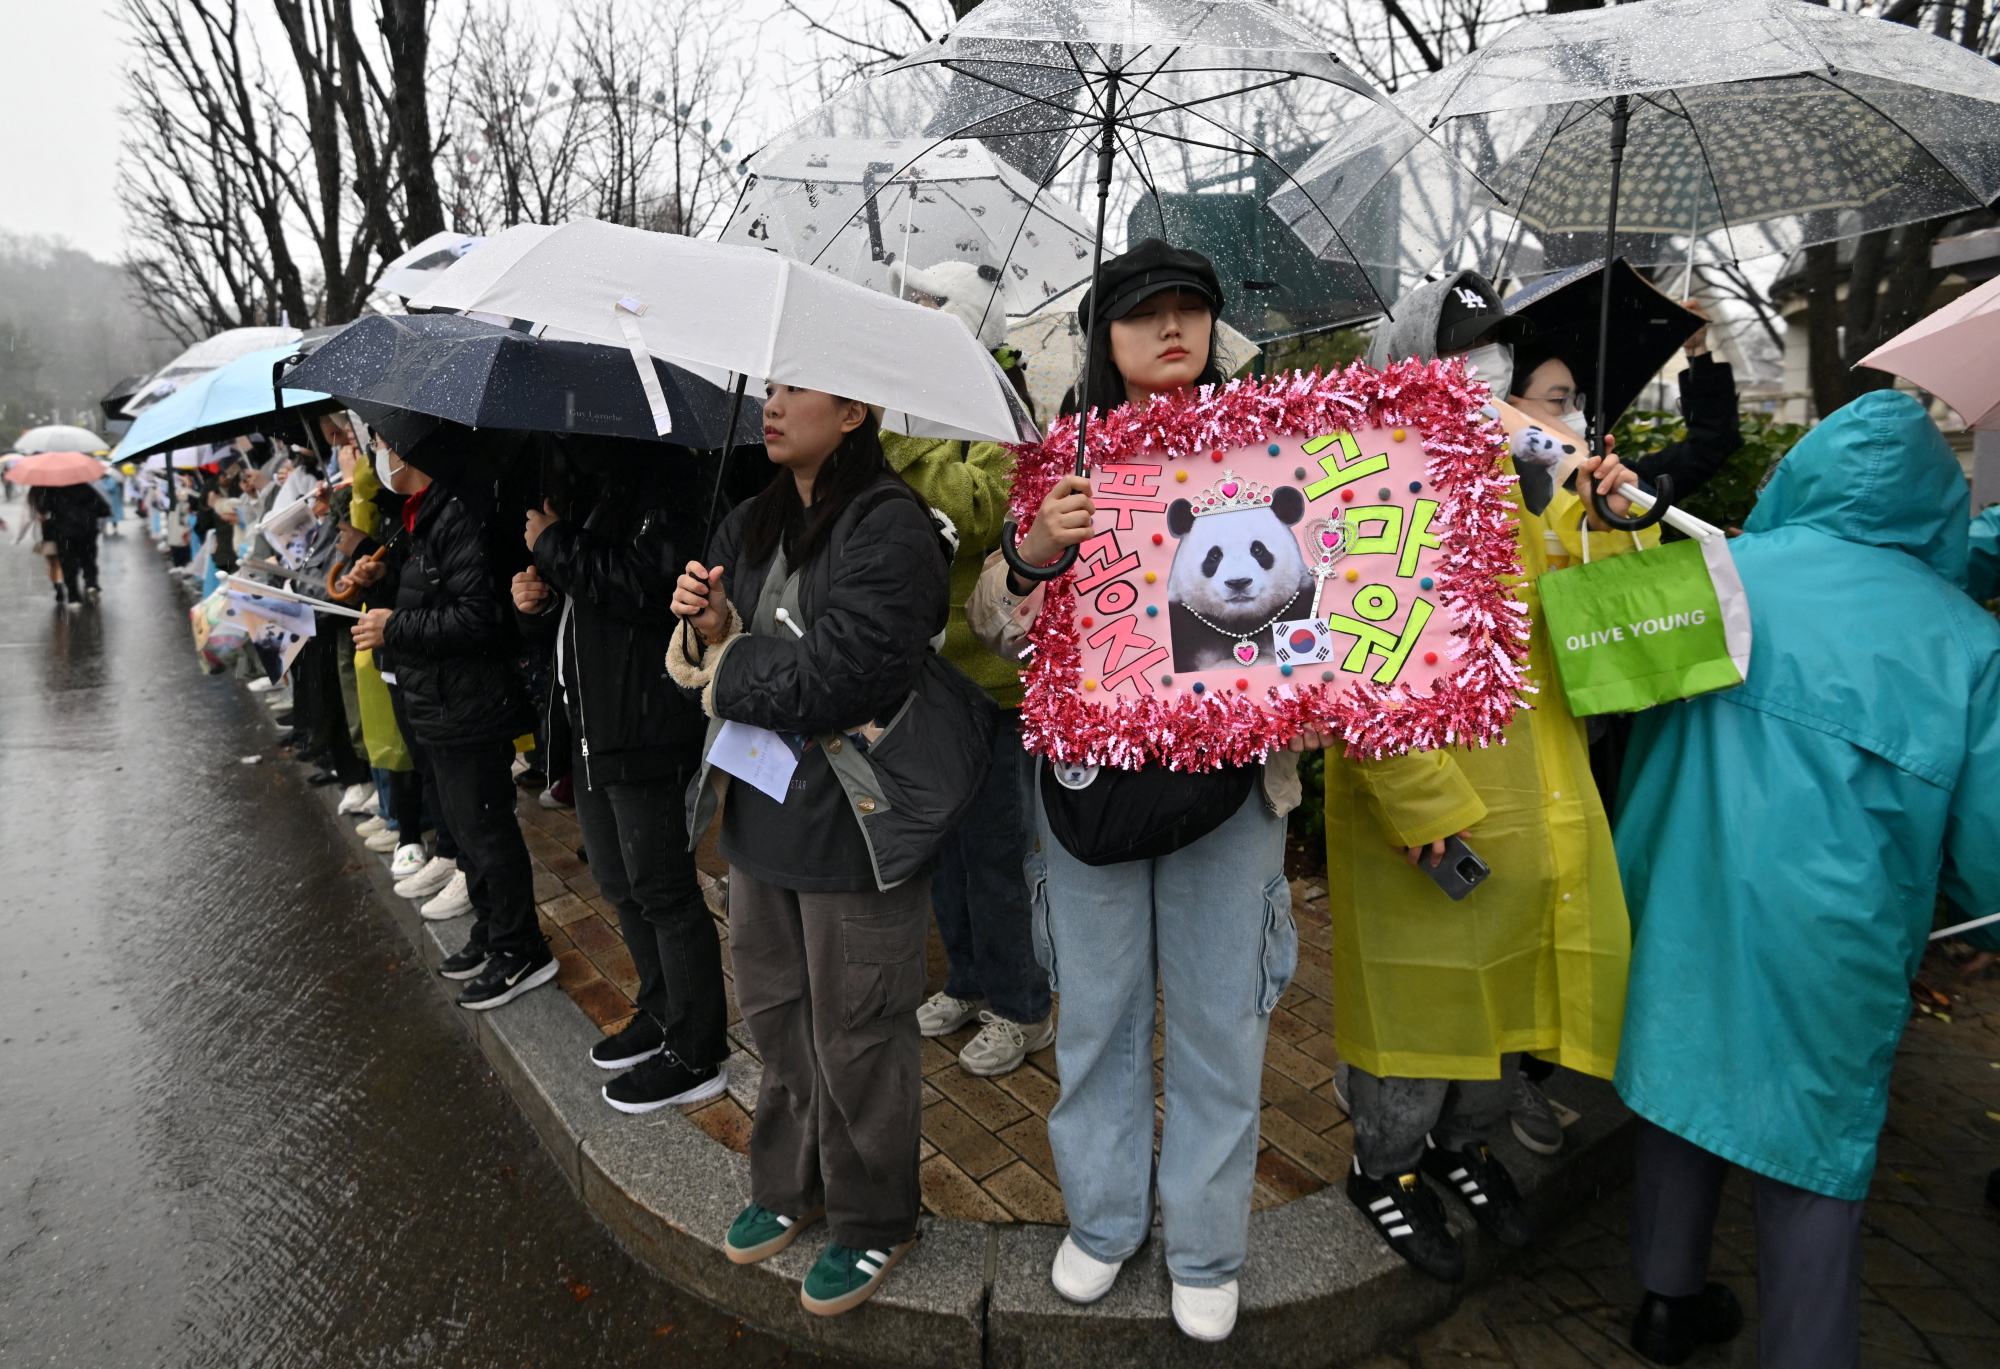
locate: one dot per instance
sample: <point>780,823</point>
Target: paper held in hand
<point>757,756</point>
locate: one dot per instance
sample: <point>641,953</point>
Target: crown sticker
<point>1230,494</point>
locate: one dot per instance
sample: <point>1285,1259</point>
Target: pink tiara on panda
<point>1230,494</point>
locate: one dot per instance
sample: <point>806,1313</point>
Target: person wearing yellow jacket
<point>979,890</point>
<point>1431,995</point>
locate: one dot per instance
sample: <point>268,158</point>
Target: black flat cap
<point>1148,268</point>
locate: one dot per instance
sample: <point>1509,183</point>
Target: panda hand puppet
<point>1237,570</point>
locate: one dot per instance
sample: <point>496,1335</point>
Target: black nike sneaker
<point>1406,1214</point>
<point>464,963</point>
<point>506,977</point>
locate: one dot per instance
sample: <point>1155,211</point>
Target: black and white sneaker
<point>1483,1184</point>
<point>641,1039</point>
<point>664,1081</point>
<point>1406,1214</point>
<point>506,977</point>
<point>464,963</point>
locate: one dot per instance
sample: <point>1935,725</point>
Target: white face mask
<point>1577,422</point>
<point>383,472</point>
<point>1493,362</point>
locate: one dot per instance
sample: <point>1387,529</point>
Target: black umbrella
<point>481,375</point>
<point>1646,330</point>
<point>118,396</point>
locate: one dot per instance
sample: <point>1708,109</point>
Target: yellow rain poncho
<point>1535,958</point>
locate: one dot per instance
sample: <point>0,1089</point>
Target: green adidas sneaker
<point>759,1233</point>
<point>843,1278</point>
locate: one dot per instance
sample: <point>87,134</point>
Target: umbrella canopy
<point>234,399</point>
<point>59,437</point>
<point>1951,353</point>
<point>951,202</point>
<point>1187,114</point>
<point>426,261</point>
<point>184,459</point>
<point>114,400</point>
<point>1798,124</point>
<point>57,468</point>
<point>481,375</point>
<point>203,357</point>
<point>724,308</point>
<point>1647,328</point>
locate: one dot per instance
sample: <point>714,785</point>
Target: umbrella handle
<point>1663,498</point>
<point>1027,569</point>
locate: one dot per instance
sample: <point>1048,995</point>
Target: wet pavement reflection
<point>239,1127</point>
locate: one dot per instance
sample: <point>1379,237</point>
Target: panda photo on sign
<point>1237,570</point>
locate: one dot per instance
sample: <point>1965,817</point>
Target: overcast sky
<point>59,121</point>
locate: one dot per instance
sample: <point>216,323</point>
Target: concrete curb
<point>1320,1288</point>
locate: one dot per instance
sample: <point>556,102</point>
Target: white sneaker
<point>941,1014</point>
<point>262,684</point>
<point>372,805</point>
<point>352,797</point>
<point>409,859</point>
<point>434,876</point>
<point>368,827</point>
<point>1206,1313</point>
<point>383,842</point>
<point>454,900</point>
<point>1002,1044</point>
<point>1079,1277</point>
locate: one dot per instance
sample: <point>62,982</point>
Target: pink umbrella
<point>57,468</point>
<point>1952,353</point>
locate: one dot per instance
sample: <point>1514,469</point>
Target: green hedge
<point>1725,500</point>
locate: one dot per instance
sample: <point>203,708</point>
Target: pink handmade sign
<point>1304,552</point>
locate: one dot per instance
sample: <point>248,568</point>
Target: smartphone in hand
<point>1460,872</point>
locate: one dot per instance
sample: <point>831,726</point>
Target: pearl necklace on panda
<point>1244,648</point>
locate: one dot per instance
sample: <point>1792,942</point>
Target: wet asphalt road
<point>238,1127</point>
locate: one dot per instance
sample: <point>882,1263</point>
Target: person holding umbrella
<point>71,514</point>
<point>1152,877</point>
<point>601,584</point>
<point>806,635</point>
<point>1858,766</point>
<point>1429,1054</point>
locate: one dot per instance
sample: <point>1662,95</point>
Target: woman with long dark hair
<point>808,638</point>
<point>1153,876</point>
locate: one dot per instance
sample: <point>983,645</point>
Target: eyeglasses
<point>1566,401</point>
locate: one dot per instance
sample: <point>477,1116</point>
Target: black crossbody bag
<point>1121,815</point>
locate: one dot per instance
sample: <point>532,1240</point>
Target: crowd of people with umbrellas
<point>539,527</point>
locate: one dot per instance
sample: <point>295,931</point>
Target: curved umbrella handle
<point>1663,498</point>
<point>1026,569</point>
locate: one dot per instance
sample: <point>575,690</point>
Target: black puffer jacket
<point>72,511</point>
<point>618,568</point>
<point>451,641</point>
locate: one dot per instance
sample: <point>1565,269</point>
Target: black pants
<point>636,837</point>
<point>78,555</point>
<point>428,804</point>
<point>1808,1251</point>
<point>327,735</point>
<point>476,794</point>
<point>179,556</point>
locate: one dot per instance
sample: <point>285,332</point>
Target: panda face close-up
<point>1238,570</point>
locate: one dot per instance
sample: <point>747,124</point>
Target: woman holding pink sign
<point>1149,873</point>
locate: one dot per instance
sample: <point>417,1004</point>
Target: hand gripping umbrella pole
<point>1663,494</point>
<point>1020,566</point>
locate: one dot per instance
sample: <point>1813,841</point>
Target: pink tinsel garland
<point>1463,447</point>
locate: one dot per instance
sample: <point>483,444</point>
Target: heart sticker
<point>1229,489</point>
<point>1246,652</point>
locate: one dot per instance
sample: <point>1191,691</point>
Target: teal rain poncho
<point>1783,843</point>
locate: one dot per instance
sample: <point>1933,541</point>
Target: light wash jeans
<point>1215,918</point>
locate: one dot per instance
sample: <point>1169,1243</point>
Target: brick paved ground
<point>986,1151</point>
<point>1931,1266</point>
<point>1933,1247</point>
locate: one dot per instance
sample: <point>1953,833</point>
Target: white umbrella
<point>853,206</point>
<point>425,262</point>
<point>58,437</point>
<point>205,356</point>
<point>759,316</point>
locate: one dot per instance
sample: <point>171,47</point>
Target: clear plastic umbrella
<point>1179,117</point>
<point>1599,138</point>
<point>205,356</point>
<point>918,204</point>
<point>1797,124</point>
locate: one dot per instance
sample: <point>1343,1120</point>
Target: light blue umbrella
<point>227,402</point>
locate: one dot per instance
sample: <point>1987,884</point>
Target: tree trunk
<point>406,34</point>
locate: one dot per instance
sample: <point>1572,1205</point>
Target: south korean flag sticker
<point>1302,642</point>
